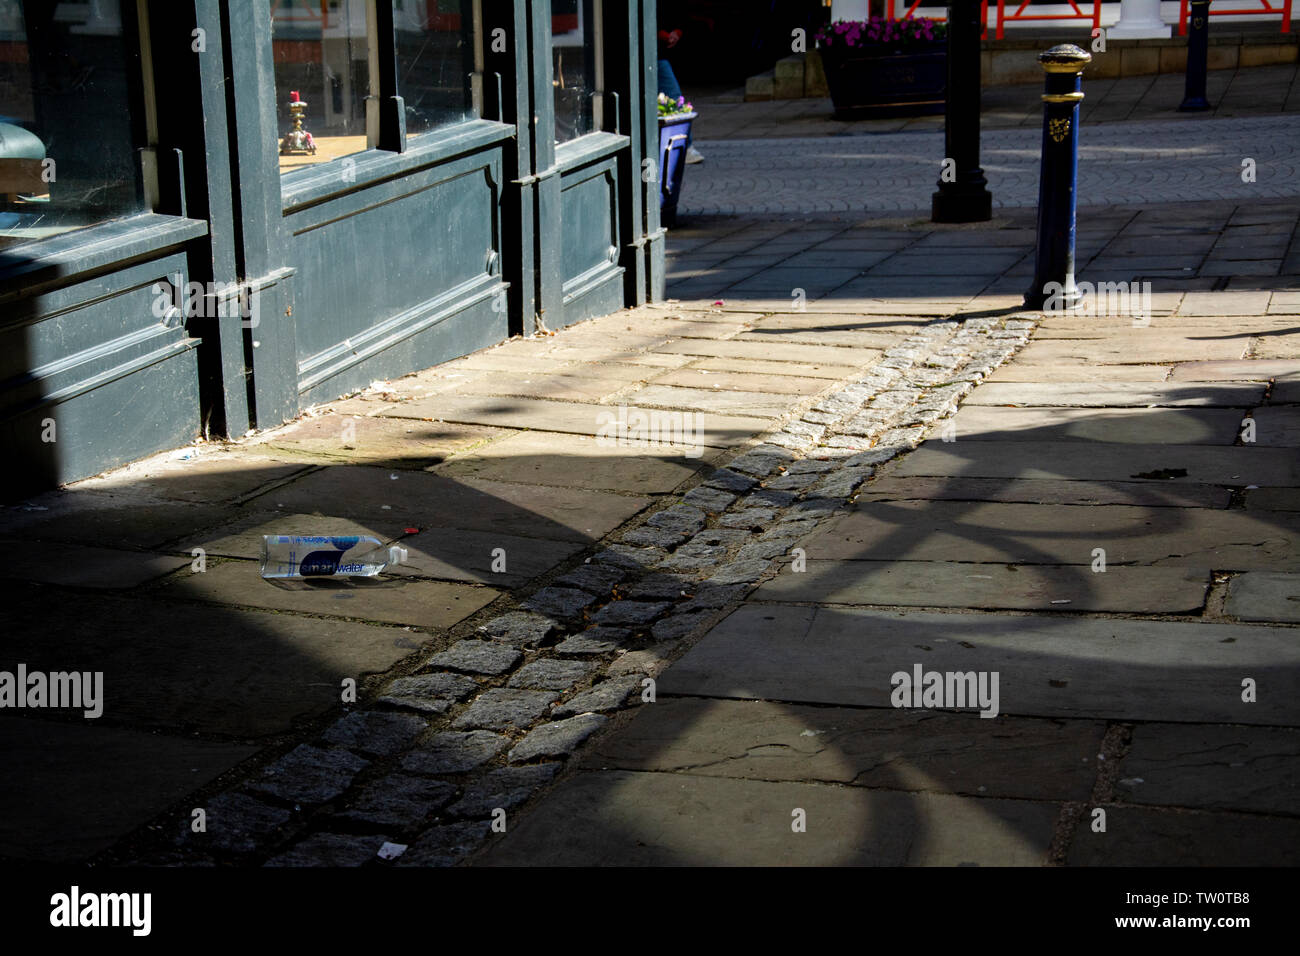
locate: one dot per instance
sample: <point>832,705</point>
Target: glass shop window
<point>322,79</point>
<point>575,61</point>
<point>435,62</point>
<point>69,82</point>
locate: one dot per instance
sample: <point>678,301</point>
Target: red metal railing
<point>1264,8</point>
<point>1078,14</point>
<point>891,14</point>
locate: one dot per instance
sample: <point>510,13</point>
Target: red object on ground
<point>412,531</point>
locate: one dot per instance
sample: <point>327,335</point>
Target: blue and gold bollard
<point>1053,285</point>
<point>1198,50</point>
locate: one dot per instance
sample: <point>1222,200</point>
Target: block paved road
<point>1119,163</point>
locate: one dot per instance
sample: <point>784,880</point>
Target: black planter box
<point>865,85</point>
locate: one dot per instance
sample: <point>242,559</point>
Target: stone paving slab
<point>774,352</point>
<point>1135,590</point>
<point>719,431</point>
<point>720,401</point>
<point>371,440</point>
<point>1099,462</point>
<point>1210,767</point>
<point>993,532</point>
<point>692,377</point>
<point>79,566</point>
<point>94,782</point>
<point>1048,667</point>
<point>660,819</point>
<point>1116,394</point>
<point>460,555</point>
<point>1274,346</point>
<point>213,669</point>
<point>892,750</point>
<point>387,598</point>
<point>112,521</point>
<point>1246,370</point>
<point>1131,350</point>
<point>1046,491</point>
<point>993,422</point>
<point>425,501</point>
<point>819,371</point>
<point>586,383</point>
<point>1277,427</point>
<point>548,459</point>
<point>1264,596</point>
<point>1144,837</point>
<point>1014,372</point>
<point>1273,499</point>
<point>212,475</point>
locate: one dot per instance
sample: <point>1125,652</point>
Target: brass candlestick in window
<point>297,140</point>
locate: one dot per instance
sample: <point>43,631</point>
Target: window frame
<point>387,139</point>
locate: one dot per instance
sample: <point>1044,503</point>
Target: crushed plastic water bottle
<point>313,556</point>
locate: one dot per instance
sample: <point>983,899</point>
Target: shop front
<point>214,213</point>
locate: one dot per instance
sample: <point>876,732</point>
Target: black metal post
<point>1198,48</point>
<point>1053,286</point>
<point>966,198</point>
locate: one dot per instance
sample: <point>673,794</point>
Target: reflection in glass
<point>321,54</point>
<point>435,61</point>
<point>573,56</point>
<point>68,84</point>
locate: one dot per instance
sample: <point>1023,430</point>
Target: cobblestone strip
<point>491,720</point>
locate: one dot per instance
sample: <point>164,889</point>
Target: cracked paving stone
<point>309,775</point>
<point>652,537</point>
<point>478,657</point>
<point>713,596</point>
<point>434,693</point>
<point>748,518</point>
<point>375,732</point>
<point>790,482</point>
<point>597,579</point>
<point>844,483</point>
<point>237,823</point>
<point>331,849</point>
<point>740,572</point>
<point>679,625</point>
<point>607,695</point>
<point>820,418</point>
<point>504,708</point>
<point>796,442</point>
<point>550,674</point>
<point>810,466</point>
<point>761,551</point>
<point>758,465</point>
<point>503,789</point>
<point>454,752</point>
<point>685,520</point>
<point>765,497</point>
<point>557,739</point>
<point>659,587</point>
<point>401,801</point>
<point>649,661</point>
<point>565,603</point>
<point>445,845</point>
<point>519,628</point>
<point>596,640</point>
<point>728,480</point>
<point>873,456</point>
<point>622,613</point>
<point>629,558</point>
<point>711,500</point>
<point>812,508</point>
